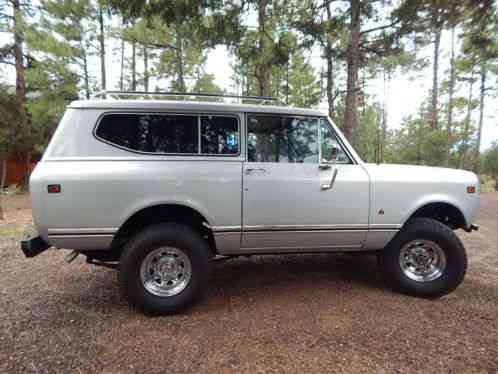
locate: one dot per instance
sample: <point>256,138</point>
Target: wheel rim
<point>422,260</point>
<point>166,271</point>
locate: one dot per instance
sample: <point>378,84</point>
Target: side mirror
<point>332,157</point>
<point>334,153</point>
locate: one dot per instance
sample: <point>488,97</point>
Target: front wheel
<point>164,269</point>
<point>425,259</point>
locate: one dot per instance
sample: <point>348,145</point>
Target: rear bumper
<point>33,246</point>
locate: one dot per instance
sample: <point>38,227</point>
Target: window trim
<point>345,149</point>
<point>190,114</point>
<point>352,160</point>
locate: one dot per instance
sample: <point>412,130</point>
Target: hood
<point>421,173</point>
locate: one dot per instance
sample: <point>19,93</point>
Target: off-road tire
<point>428,229</point>
<point>164,235</point>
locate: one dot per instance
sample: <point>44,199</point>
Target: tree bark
<point>465,138</point>
<point>180,79</point>
<point>330,80</point>
<point>353,63</point>
<point>435,78</point>
<point>330,71</point>
<point>121,77</point>
<point>451,89</point>
<point>102,46</point>
<point>133,66</point>
<point>146,69</point>
<point>2,182</point>
<point>18,57</point>
<point>86,76</point>
<point>482,92</point>
<point>263,68</point>
<point>27,171</point>
<point>382,147</point>
<point>3,179</point>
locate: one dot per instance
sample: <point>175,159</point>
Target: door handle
<point>250,170</point>
<point>324,166</point>
<point>328,186</point>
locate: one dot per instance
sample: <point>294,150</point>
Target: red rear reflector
<point>54,188</point>
<point>471,189</point>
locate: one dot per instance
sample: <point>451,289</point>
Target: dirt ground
<point>296,314</point>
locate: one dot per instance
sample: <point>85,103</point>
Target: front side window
<point>171,133</point>
<point>287,139</point>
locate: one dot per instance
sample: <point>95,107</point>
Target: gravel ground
<point>309,313</point>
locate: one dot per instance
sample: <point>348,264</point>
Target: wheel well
<point>445,213</point>
<point>161,214</point>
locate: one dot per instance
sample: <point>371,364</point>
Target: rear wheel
<point>164,269</point>
<point>425,259</point>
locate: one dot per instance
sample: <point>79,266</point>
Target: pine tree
<point>67,26</point>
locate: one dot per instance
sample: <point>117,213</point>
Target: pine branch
<point>383,27</point>
<point>150,44</point>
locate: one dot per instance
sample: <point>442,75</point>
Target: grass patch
<point>14,230</point>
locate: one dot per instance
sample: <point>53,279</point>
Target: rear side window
<point>219,135</point>
<point>171,133</point>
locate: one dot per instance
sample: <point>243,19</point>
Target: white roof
<point>192,105</point>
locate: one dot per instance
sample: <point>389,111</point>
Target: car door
<point>295,197</point>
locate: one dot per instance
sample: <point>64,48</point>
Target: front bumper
<point>473,227</point>
<point>33,246</point>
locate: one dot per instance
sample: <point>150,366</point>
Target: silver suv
<point>162,188</point>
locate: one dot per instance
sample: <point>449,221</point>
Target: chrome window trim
<point>345,149</point>
<point>191,114</point>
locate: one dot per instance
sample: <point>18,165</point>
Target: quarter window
<point>171,133</point>
<point>282,139</point>
<point>219,135</point>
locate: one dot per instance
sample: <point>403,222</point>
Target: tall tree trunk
<point>18,42</point>
<point>330,71</point>
<point>435,78</point>
<point>133,66</point>
<point>263,69</point>
<point>2,182</point>
<point>3,178</point>
<point>451,89</point>
<point>121,76</point>
<point>19,64</point>
<point>27,173</point>
<point>353,64</point>
<point>180,79</point>
<point>482,92</point>
<point>468,118</point>
<point>330,80</point>
<point>146,69</point>
<point>102,46</point>
<point>386,76</point>
<point>86,76</point>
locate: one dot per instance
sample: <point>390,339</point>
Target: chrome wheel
<point>422,260</point>
<point>165,271</point>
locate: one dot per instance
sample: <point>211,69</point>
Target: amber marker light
<point>471,189</point>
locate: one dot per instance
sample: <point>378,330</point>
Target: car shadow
<point>270,274</point>
<point>276,279</point>
<point>240,278</point>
